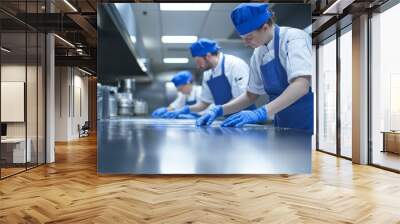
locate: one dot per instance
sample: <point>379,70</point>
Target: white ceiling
<point>213,24</point>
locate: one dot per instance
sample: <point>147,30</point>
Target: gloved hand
<point>175,113</point>
<point>210,116</point>
<point>246,117</point>
<point>187,116</point>
<point>159,112</point>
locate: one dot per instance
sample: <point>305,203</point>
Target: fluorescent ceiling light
<point>178,39</point>
<point>133,39</point>
<point>142,65</point>
<point>143,60</point>
<point>5,50</point>
<point>65,41</point>
<point>185,6</point>
<point>70,5</point>
<point>176,60</point>
<point>84,71</point>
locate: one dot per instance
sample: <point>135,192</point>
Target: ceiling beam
<point>86,26</point>
<point>83,61</point>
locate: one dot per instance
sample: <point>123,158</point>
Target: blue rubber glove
<point>210,116</point>
<point>246,117</point>
<point>159,112</point>
<point>175,113</point>
<point>187,116</point>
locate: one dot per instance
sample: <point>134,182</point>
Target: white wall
<point>10,73</point>
<point>79,117</point>
<point>17,73</point>
<point>33,126</point>
<point>70,83</point>
<point>13,72</point>
<point>62,81</point>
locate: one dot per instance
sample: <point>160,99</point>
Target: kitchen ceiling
<point>153,23</point>
<point>213,24</point>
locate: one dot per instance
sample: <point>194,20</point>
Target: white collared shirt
<point>236,71</point>
<point>181,98</point>
<point>295,52</point>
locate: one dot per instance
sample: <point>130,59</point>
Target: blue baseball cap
<point>203,46</point>
<point>182,78</point>
<point>248,17</point>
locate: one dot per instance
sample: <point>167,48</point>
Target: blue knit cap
<point>182,78</point>
<point>248,17</point>
<point>203,46</point>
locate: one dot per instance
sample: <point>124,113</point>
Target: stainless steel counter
<point>158,146</point>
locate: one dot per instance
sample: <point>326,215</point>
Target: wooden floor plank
<point>70,191</point>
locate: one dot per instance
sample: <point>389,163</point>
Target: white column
<point>50,100</point>
<point>50,92</point>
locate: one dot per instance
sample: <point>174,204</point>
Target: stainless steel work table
<point>158,146</point>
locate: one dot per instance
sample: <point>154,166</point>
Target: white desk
<point>18,150</point>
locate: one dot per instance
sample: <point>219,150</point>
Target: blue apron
<point>191,102</point>
<point>190,115</point>
<point>221,89</point>
<point>298,115</point>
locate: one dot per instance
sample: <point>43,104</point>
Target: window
<point>327,96</point>
<point>22,76</point>
<point>385,88</point>
<point>346,93</point>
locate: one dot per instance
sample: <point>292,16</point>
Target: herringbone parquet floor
<point>70,191</point>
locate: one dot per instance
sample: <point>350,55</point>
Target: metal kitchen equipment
<point>99,101</point>
<point>113,102</point>
<point>141,107</point>
<point>107,101</point>
<point>126,85</point>
<point>126,104</point>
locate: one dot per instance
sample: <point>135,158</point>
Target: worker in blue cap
<point>188,93</point>
<point>224,76</point>
<point>279,67</point>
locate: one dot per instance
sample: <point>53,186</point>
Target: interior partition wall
<point>22,77</point>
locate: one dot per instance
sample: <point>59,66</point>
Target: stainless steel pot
<point>141,107</point>
<point>126,86</point>
<point>126,104</point>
